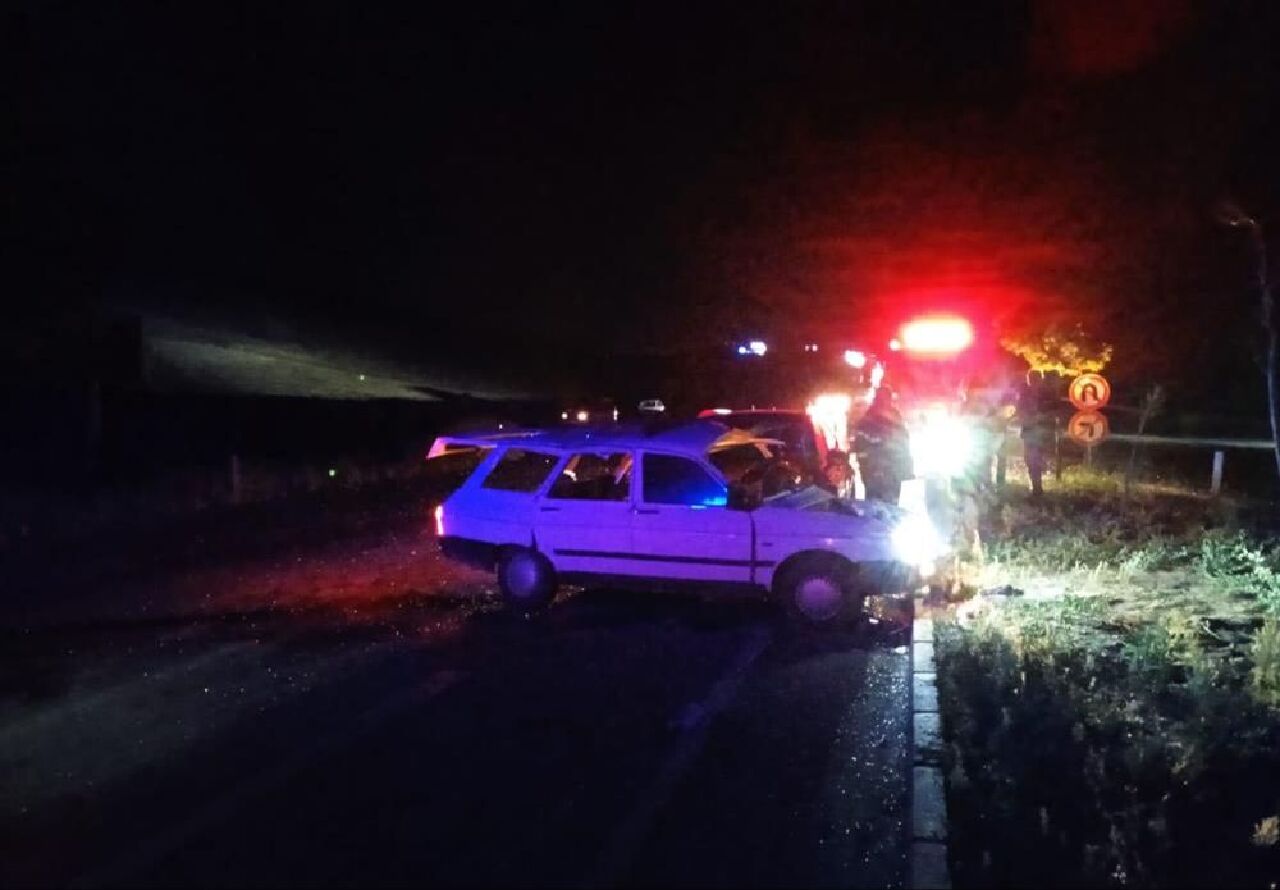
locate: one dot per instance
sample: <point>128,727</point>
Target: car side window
<point>678,480</point>
<point>594,477</point>
<point>520,470</point>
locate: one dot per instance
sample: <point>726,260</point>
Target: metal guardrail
<point>1143,439</point>
<point>1219,446</point>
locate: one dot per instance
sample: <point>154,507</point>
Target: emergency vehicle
<point>946,376</point>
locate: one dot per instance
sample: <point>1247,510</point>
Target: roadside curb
<point>928,864</point>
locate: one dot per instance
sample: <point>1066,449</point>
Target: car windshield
<point>767,470</point>
<point>793,430</point>
<point>736,460</point>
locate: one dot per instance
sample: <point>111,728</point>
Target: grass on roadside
<point>1114,716</point>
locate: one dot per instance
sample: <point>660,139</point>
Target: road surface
<point>315,697</point>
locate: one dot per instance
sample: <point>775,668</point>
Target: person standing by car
<point>1002,421</point>
<point>971,488</point>
<point>883,448</point>
<point>1037,435</point>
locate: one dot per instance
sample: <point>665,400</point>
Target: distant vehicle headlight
<point>916,542</point>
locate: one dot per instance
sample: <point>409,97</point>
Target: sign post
<point>1057,448</point>
<point>1089,393</point>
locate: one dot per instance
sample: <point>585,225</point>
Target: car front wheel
<point>527,580</point>
<point>821,591</point>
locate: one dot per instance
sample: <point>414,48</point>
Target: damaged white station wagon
<point>672,507</point>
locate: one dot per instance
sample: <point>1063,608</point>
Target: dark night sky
<point>635,173</point>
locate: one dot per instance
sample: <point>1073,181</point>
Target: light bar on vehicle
<point>937,335</point>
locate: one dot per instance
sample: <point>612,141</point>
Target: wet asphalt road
<point>348,709</point>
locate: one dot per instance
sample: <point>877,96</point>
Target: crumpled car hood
<point>815,499</point>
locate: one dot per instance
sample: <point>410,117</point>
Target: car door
<point>583,520</point>
<point>683,527</point>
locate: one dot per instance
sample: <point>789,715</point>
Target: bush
<point>1119,725</point>
<point>1265,674</point>
<point>1173,758</point>
<point>1227,555</point>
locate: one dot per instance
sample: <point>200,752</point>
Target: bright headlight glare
<point>941,445</point>
<point>916,542</point>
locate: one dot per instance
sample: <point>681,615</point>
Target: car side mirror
<point>743,497</point>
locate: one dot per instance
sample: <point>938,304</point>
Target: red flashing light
<point>937,335</point>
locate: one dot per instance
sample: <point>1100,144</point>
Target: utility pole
<point>1237,218</point>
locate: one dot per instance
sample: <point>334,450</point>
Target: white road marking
<point>224,807</point>
<point>694,723</point>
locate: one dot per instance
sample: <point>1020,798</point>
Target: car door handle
<point>549,509</point>
<point>647,511</point>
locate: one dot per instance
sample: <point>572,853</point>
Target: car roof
<point>711,413</point>
<point>694,438</point>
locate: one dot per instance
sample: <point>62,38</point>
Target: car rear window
<point>520,470</point>
<point>676,480</point>
<point>456,464</point>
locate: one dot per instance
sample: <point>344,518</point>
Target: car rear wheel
<point>527,580</point>
<point>820,591</point>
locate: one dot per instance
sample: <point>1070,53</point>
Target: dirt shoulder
<point>334,539</point>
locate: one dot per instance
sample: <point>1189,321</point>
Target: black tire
<point>820,590</point>
<point>527,580</point>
